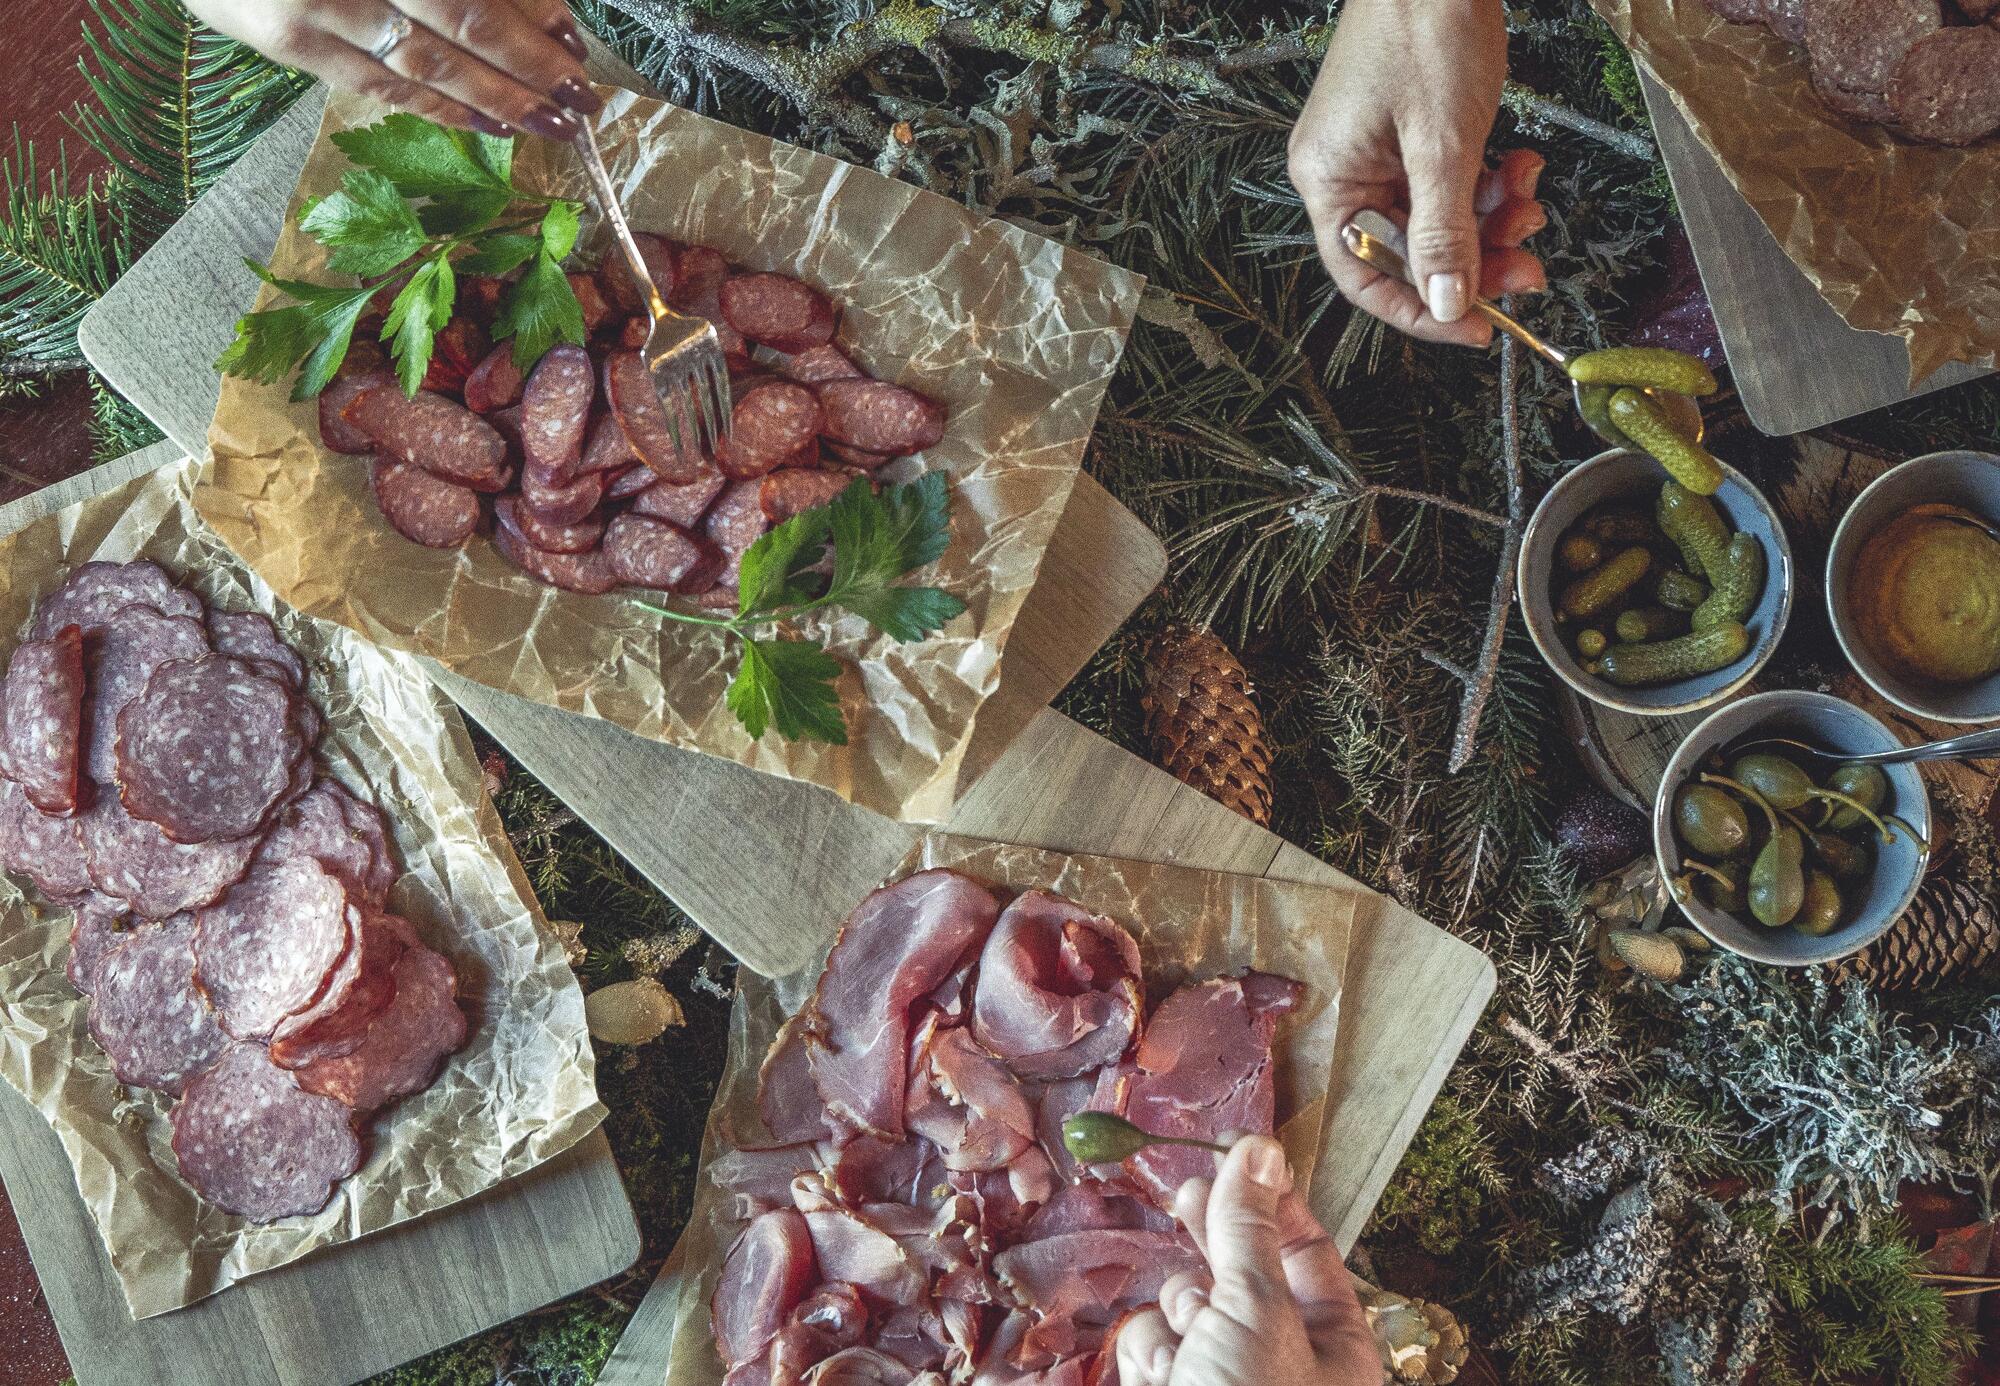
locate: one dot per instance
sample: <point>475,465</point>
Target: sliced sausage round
<point>269,947</point>
<point>768,426</point>
<point>555,409</point>
<point>251,1141</point>
<point>433,432</point>
<point>629,387</point>
<point>46,848</point>
<point>877,416</point>
<point>649,553</point>
<point>684,504</point>
<point>777,311</point>
<point>574,537</point>
<point>405,1045</point>
<point>1947,89</point>
<point>493,384</point>
<point>122,656</point>
<point>793,490</point>
<point>207,749</point>
<point>588,573</point>
<point>41,720</point>
<point>131,860</point>
<point>360,989</point>
<point>145,1013</point>
<point>96,592</point>
<point>250,635</point>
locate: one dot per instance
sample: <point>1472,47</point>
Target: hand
<point>1275,1310</point>
<point>488,65</point>
<point>1398,121</point>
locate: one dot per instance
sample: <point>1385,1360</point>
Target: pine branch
<point>54,365</point>
<point>1532,107</point>
<point>60,248</point>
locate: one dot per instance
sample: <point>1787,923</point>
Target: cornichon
<point>1581,552</point>
<point>1653,368</point>
<point>1687,461</point>
<point>1594,403</point>
<point>1696,527</point>
<point>1678,591</point>
<point>1591,642</point>
<point>1600,589</point>
<point>1684,656</point>
<point>1643,623</point>
<point>1622,527</point>
<point>1737,586</point>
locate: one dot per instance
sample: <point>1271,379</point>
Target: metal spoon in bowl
<point>1377,241</point>
<point>1958,514</point>
<point>1979,745</point>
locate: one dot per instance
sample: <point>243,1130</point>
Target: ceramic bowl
<point>1632,476</point>
<point>1839,725</point>
<point>1968,479</point>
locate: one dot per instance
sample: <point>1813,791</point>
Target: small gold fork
<point>682,352</point>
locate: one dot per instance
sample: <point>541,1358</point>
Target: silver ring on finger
<point>398,27</point>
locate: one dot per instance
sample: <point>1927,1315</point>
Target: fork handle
<point>1979,745</point>
<point>607,196</point>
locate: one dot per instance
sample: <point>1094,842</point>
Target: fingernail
<point>1446,296</point>
<point>577,96</point>
<point>487,125</point>
<point>1163,1363</point>
<point>565,33</point>
<point>552,123</point>
<point>1189,1304</point>
<point>1267,1160</point>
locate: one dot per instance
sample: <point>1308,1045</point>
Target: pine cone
<point>1204,725</point>
<point>1948,931</point>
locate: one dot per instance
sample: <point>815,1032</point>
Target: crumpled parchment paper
<point>521,1091</point>
<point>1899,237</point>
<point>1017,335</point>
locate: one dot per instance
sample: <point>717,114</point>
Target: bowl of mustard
<point>1913,586</point>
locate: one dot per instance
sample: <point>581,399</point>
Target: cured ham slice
<point>786,1095</point>
<point>769,1269</point>
<point>897,946</point>
<point>828,1321</point>
<point>759,1180</point>
<point>963,1099</point>
<point>1058,990</point>
<point>1100,1272</point>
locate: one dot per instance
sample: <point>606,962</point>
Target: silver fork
<point>682,352</point>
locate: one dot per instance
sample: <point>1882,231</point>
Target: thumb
<point>1443,236</point>
<point>1245,1243</point>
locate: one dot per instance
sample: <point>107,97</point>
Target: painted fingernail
<point>487,125</point>
<point>1445,293</point>
<point>577,96</point>
<point>1267,1160</point>
<point>552,123</point>
<point>565,33</point>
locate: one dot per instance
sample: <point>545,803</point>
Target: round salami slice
<point>251,1141</point>
<point>96,592</point>
<point>586,572</point>
<point>360,989</point>
<point>768,426</point>
<point>131,860</point>
<point>552,538</point>
<point>122,655</point>
<point>698,282</point>
<point>1858,44</point>
<point>41,720</point>
<point>342,834</point>
<point>250,636</point>
<point>406,1044</point>
<point>607,450</point>
<point>629,387</point>
<point>735,522</point>
<point>144,1011</point>
<point>555,410</point>
<point>433,432</point>
<point>208,748</point>
<point>657,253</point>
<point>791,491</point>
<point>1947,90</point>
<point>561,502</point>
<point>269,947</point>
<point>816,365</point>
<point>43,847</point>
<point>336,432</point>
<point>649,553</point>
<point>879,417</point>
<point>100,926</point>
<point>684,504</point>
<point>1870,106</point>
<point>629,481</point>
<point>422,506</point>
<point>494,383</point>
<point>777,311</point>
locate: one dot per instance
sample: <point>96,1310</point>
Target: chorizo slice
<point>816,365</point>
<point>650,553</point>
<point>629,387</point>
<point>777,311</point>
<point>682,505</point>
<point>769,426</point>
<point>876,416</point>
<point>573,537</point>
<point>1947,89</point>
<point>735,522</point>
<point>433,432</point>
<point>658,254</point>
<point>555,410</point>
<point>494,383</point>
<point>422,506</point>
<point>791,491</point>
<point>588,572</point>
<point>562,502</point>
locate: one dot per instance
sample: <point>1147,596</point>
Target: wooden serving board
<point>1796,364</point>
<point>345,1313</point>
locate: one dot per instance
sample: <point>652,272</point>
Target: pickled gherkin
<point>1684,656</point>
<point>1649,368</point>
<point>1686,460</point>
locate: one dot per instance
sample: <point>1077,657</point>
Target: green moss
<point>474,1362</point>
<point>568,1347</point>
<point>1443,1182</point>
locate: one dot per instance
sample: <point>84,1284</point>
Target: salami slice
<point>632,336</point>
<point>592,302</point>
<point>816,365</point>
<point>734,523</point>
<point>767,427</point>
<point>96,592</point>
<point>648,553</point>
<point>607,450</point>
<point>879,417</point>
<point>41,720</point>
<point>462,345</point>
<point>422,506</point>
<point>345,836</point>
<point>494,383</point>
<point>268,948</point>
<point>336,432</point>
<point>630,481</point>
<point>586,572</point>
<point>406,1044</point>
<point>701,272</point>
<point>250,636</point>
<point>1870,106</point>
<point>682,505</point>
<point>429,431</point>
<point>658,254</point>
<point>145,1013</point>
<point>251,1141</point>
<point>1787,19</point>
<point>555,408</point>
<point>1947,90</point>
<point>360,989</point>
<point>121,656</point>
<point>131,860</point>
<point>43,847</point>
<point>857,457</point>
<point>100,925</point>
<point>792,490</point>
<point>1858,44</point>
<point>365,821</point>
<point>630,389</point>
<point>552,538</point>
<point>777,311</point>
<point>208,748</point>
<point>561,503</point>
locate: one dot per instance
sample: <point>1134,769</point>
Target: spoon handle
<point>1977,745</point>
<point>1378,242</point>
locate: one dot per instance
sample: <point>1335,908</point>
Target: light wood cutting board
<point>345,1313</point>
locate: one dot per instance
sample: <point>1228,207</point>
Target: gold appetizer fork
<point>682,353</point>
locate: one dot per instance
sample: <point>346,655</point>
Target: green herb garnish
<point>788,682</point>
<point>424,204</point>
<point>1099,1138</point>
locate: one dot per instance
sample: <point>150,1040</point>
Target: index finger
<point>1330,207</point>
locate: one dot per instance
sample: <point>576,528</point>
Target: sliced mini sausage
<point>777,311</point>
<point>429,431</point>
<point>424,508</point>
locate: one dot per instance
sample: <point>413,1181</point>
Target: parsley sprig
<point>424,204</point>
<point>788,682</point>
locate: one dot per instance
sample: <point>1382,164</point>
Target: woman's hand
<point>489,65</point>
<point>1276,1309</point>
<point>1398,121</point>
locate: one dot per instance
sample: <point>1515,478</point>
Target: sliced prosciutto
<point>767,1272</point>
<point>786,1094</point>
<point>963,1099</point>
<point>897,946</point>
<point>1058,990</point>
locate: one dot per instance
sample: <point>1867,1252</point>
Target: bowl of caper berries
<point>1648,597</point>
<point>1781,854</point>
